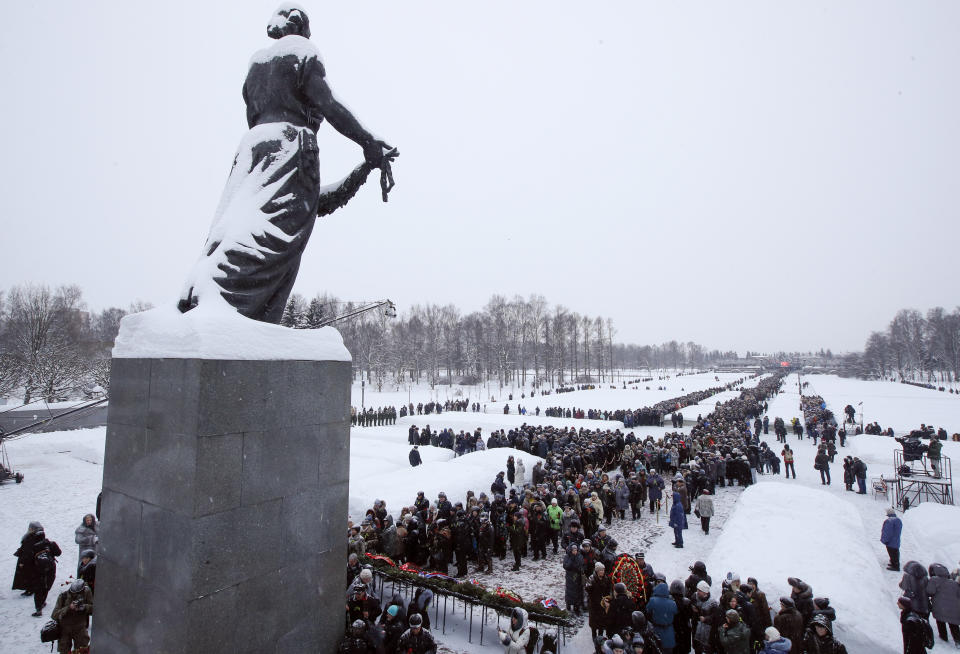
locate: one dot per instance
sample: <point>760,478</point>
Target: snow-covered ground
<point>602,397</point>
<point>779,528</point>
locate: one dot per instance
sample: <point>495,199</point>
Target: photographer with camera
<point>72,611</point>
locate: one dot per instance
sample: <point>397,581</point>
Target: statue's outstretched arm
<point>337,195</point>
<point>343,121</point>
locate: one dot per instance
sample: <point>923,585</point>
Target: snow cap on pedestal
<point>214,330</point>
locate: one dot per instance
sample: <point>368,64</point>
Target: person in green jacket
<point>933,453</point>
<point>555,514</point>
<point>734,634</point>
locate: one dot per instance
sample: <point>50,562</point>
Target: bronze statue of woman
<point>273,194</point>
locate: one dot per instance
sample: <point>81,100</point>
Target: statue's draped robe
<point>269,205</point>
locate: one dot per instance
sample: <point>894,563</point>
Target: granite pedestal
<point>224,505</point>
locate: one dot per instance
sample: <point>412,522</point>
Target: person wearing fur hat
<point>944,595</point>
<point>914,585</point>
<point>802,596</point>
<point>87,534</point>
<point>759,599</point>
<point>24,578</point>
<point>789,623</point>
<point>774,643</point>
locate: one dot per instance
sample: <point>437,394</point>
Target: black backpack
<point>45,562</point>
<point>50,632</point>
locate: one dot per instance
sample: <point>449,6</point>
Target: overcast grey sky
<point>746,175</point>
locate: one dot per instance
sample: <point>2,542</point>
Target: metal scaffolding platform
<point>921,480</point>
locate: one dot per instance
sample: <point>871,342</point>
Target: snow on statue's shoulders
<point>214,330</point>
<point>291,44</point>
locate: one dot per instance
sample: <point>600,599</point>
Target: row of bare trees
<point>51,347</point>
<point>517,341</point>
<point>915,347</point>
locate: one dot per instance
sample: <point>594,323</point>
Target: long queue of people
<point>387,415</point>
<point>651,416</point>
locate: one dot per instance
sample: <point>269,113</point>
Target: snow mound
<point>215,330</point>
<point>781,530</point>
<point>374,474</point>
<point>934,532</point>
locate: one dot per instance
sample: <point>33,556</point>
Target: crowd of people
<point>587,479</point>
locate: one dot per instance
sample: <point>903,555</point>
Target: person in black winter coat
<point>24,578</point>
<point>355,642</point>
<point>913,627</point>
<point>802,596</point>
<point>393,621</point>
<point>599,588</point>
<point>88,568</point>
<point>651,640</point>
<point>819,639</point>
<point>45,553</point>
<point>462,542</point>
<point>621,609</point>
<point>749,612</point>
<point>682,621</point>
<point>415,457</point>
<point>573,578</point>
<point>498,487</point>
<point>539,532</point>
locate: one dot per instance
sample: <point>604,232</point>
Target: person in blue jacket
<point>660,611</point>
<point>678,520</point>
<point>890,537</point>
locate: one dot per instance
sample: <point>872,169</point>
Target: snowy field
<point>602,397</point>
<point>779,528</point>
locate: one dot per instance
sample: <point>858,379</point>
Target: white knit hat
<point>772,634</point>
<point>703,586</point>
